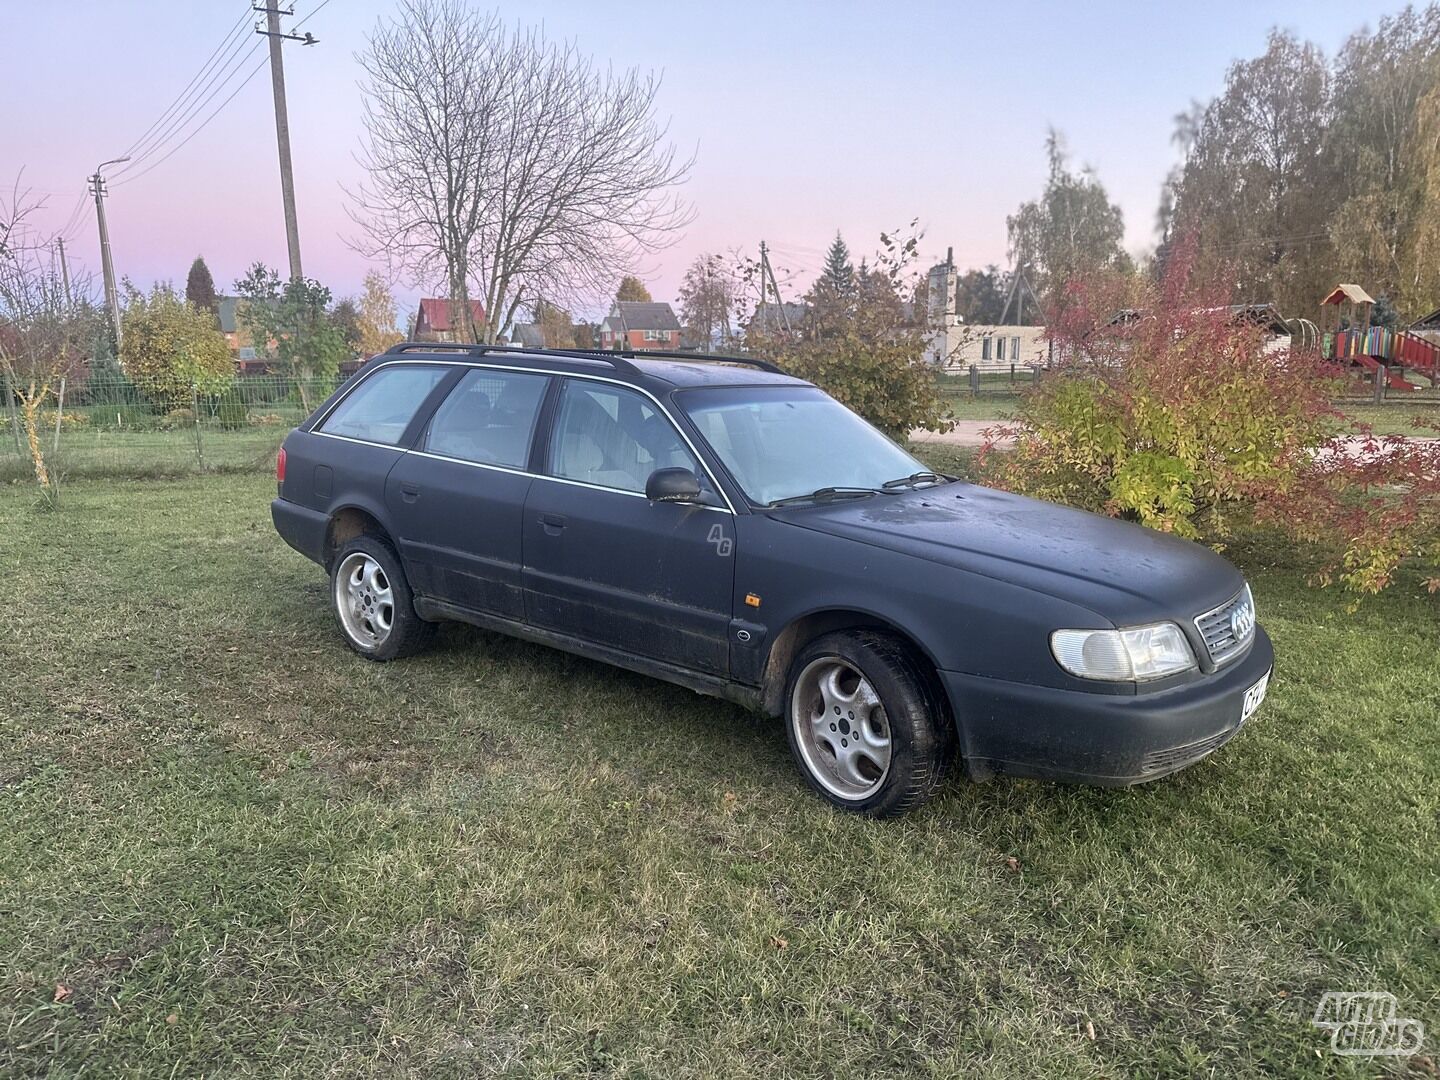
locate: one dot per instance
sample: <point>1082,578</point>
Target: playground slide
<point>1394,381</point>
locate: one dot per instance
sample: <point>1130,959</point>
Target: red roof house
<point>433,322</point>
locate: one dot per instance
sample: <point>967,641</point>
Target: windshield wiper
<point>826,493</point>
<point>923,477</point>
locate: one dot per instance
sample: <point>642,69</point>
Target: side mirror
<point>673,485</point>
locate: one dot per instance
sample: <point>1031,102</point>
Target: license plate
<point>1253,697</point>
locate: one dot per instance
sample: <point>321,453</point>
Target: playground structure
<point>1373,347</point>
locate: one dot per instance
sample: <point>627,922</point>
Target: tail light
<point>280,466</point>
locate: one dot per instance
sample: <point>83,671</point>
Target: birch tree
<point>1071,230</point>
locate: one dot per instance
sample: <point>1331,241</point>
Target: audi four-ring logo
<point>1242,622</point>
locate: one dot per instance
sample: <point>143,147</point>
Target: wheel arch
<point>348,522</point>
<point>804,629</point>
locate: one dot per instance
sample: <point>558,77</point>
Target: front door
<point>457,498</point>
<point>605,564</point>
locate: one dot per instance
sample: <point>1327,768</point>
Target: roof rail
<point>710,358</point>
<point>615,360</point>
<point>619,359</point>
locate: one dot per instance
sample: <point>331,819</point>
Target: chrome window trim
<point>361,442</point>
<point>553,479</point>
<point>729,507</point>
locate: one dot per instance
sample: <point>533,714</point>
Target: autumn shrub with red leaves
<point>1165,406</point>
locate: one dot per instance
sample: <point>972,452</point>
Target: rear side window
<point>382,406</point>
<point>488,418</point>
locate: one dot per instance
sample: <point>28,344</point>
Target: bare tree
<point>709,299</point>
<point>44,333</point>
<point>508,162</point>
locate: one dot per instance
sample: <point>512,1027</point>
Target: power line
<point>232,66</point>
<point>76,218</point>
<point>219,108</point>
<point>230,35</point>
<point>203,124</point>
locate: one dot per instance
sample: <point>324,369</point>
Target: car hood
<point>1125,573</point>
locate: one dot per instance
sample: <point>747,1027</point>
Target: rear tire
<point>373,602</point>
<point>866,724</point>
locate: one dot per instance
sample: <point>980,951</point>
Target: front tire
<point>866,725</point>
<point>373,602</point>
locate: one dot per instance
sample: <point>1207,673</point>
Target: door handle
<point>408,493</point>
<point>554,524</point>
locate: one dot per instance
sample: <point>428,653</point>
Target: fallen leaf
<point>779,942</point>
<point>1090,1030</point>
<point>1012,862</point>
<point>62,992</point>
<point>172,1018</point>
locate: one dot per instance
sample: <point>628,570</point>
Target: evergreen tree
<point>838,277</point>
<point>200,287</point>
<point>832,298</point>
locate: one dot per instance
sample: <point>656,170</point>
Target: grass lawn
<point>238,849</point>
<point>1395,417</point>
<point>106,452</point>
<point>985,407</point>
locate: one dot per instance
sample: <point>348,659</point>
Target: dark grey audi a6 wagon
<point>725,526</point>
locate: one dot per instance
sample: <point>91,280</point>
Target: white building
<point>954,344</point>
<point>995,348</point>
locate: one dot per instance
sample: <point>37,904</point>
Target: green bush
<point>1175,415</point>
<point>231,411</point>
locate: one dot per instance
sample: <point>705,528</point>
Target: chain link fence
<point>112,425</point>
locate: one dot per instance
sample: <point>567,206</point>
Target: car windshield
<point>785,442</point>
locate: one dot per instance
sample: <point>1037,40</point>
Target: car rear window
<point>382,406</point>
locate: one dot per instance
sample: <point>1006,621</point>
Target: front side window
<point>382,406</point>
<point>488,418</point>
<point>613,437</point>
<point>985,348</point>
<point>786,441</point>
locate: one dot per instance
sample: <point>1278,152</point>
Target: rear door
<point>604,563</point>
<point>345,456</point>
<point>459,495</point>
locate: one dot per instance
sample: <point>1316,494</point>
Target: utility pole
<point>767,272</point>
<point>64,270</point>
<point>763,311</point>
<point>282,123</point>
<point>112,297</point>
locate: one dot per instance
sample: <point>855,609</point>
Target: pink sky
<point>804,118</point>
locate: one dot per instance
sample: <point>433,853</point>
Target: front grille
<point>1175,757</point>
<point>1228,628</point>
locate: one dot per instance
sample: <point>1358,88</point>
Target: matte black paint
<point>977,579</point>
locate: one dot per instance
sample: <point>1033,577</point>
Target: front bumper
<point>1107,739</point>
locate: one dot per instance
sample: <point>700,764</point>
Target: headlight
<point>1142,652</point>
